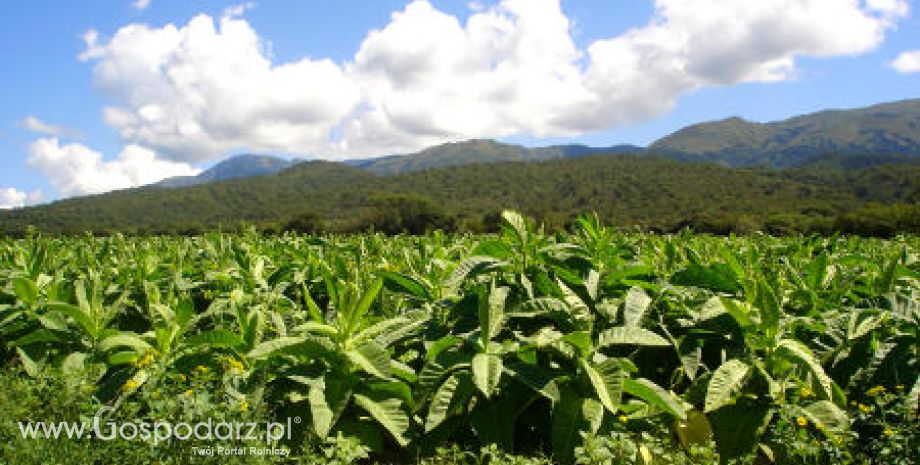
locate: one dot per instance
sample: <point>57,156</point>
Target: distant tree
<point>412,214</point>
<point>305,223</point>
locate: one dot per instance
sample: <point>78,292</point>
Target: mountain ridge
<point>888,131</point>
<point>891,128</point>
<point>234,167</point>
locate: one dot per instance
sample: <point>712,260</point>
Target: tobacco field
<point>594,346</point>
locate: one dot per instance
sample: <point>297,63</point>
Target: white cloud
<point>907,62</point>
<point>140,5</point>
<point>238,9</point>
<point>197,91</point>
<point>14,198</point>
<point>891,8</point>
<point>74,169</point>
<point>36,125</point>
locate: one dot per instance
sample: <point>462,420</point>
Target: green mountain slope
<point>480,151</point>
<point>885,129</point>
<point>627,190</point>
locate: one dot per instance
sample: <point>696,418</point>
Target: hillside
<point>881,134</point>
<point>480,151</point>
<point>884,129</point>
<point>628,191</point>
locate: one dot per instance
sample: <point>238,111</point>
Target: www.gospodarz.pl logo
<point>159,431</point>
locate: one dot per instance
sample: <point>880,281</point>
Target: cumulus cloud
<point>11,198</point>
<point>907,62</point>
<point>74,169</point>
<point>34,124</point>
<point>14,198</point>
<point>196,91</point>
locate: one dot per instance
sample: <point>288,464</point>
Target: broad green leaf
<point>725,383</point>
<point>492,314</point>
<point>123,358</point>
<point>82,318</point>
<point>607,378</point>
<point>435,348</point>
<point>328,400</point>
<point>26,290</point>
<point>771,311</point>
<point>623,335</point>
<point>274,347</point>
<point>517,224</point>
<point>535,377</point>
<point>405,284</point>
<point>253,328</point>
<point>389,413</point>
<point>36,337</point>
<point>494,248</point>
<point>578,309</point>
<point>580,340</point>
<point>737,428</point>
<point>53,321</point>
<point>32,368</point>
<point>131,341</point>
<point>393,330</point>
<point>470,267</point>
<point>797,352</point>
<point>829,418</point>
<point>372,358</point>
<point>655,396</point>
<point>448,400</point>
<point>215,338</point>
<point>718,277</point>
<point>317,328</point>
<point>370,294</point>
<point>74,364</point>
<point>635,305</point>
<point>487,372</point>
<point>717,306</point>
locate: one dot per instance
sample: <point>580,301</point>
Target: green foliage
<point>646,192</point>
<point>596,346</point>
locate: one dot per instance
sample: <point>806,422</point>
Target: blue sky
<point>525,71</point>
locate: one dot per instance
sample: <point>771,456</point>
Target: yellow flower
<point>188,393</point>
<point>623,418</point>
<point>145,361</point>
<point>201,369</point>
<point>233,365</point>
<point>806,392</point>
<point>801,421</point>
<point>899,387</point>
<point>888,432</point>
<point>864,408</point>
<point>182,377</point>
<point>130,385</point>
<point>875,391</point>
<point>244,405</point>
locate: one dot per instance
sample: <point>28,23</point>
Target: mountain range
<point>884,129</point>
<point>884,133</point>
<point>809,170</point>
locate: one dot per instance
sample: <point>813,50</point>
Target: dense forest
<point>631,192</point>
